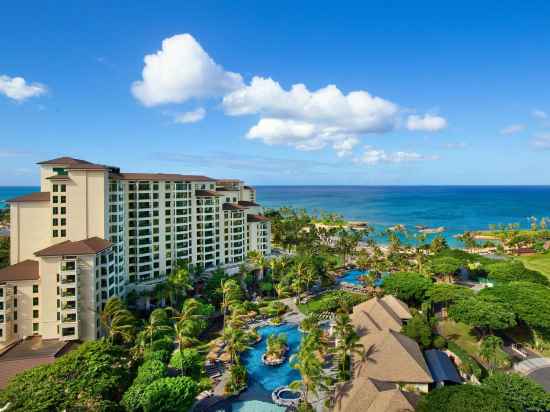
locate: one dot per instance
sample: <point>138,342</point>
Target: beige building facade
<point>94,232</point>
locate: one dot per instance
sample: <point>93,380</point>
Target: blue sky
<point>394,92</point>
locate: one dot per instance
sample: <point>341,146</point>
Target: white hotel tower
<point>93,232</point>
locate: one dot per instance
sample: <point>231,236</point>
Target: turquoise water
<point>353,277</point>
<point>267,378</point>
<point>457,208</point>
<point>256,406</point>
<point>9,192</point>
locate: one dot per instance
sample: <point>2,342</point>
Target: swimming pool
<point>271,377</point>
<point>353,277</point>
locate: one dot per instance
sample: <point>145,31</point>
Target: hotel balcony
<point>69,332</point>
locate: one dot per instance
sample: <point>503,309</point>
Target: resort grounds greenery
<point>539,262</point>
<point>156,343</point>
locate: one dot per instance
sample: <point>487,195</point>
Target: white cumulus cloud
<point>426,123</point>
<point>539,114</point>
<point>193,116</point>
<point>372,156</point>
<point>182,70</point>
<point>310,120</point>
<point>542,141</point>
<point>513,129</point>
<point>296,116</point>
<point>18,89</point>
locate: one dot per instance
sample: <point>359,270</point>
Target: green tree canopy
<point>448,293</point>
<point>462,398</point>
<point>520,393</point>
<point>446,266</point>
<point>513,270</point>
<point>529,301</point>
<point>89,378</point>
<point>419,329</point>
<point>170,395</point>
<point>483,314</point>
<point>408,286</point>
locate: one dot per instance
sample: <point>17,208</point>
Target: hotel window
<point>63,188</point>
<point>55,210</point>
<point>14,328</point>
<point>55,188</point>
<point>35,314</point>
<point>63,233</point>
<point>35,327</point>
<point>55,199</point>
<point>63,199</point>
<point>63,210</point>
<point>55,222</point>
<point>34,288</point>
<point>55,233</point>
<point>35,301</point>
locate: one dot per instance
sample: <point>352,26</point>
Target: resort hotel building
<point>94,232</point>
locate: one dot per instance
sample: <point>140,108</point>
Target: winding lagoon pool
<point>266,377</point>
<point>353,277</point>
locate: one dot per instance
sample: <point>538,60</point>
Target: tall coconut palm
<point>231,294</point>
<point>180,283</point>
<point>347,342</point>
<point>236,341</point>
<point>310,368</point>
<point>117,321</point>
<point>158,323</point>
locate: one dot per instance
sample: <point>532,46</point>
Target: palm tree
<point>118,321</point>
<point>179,282</point>
<point>158,323</point>
<point>302,271</point>
<point>347,342</point>
<point>310,367</point>
<point>231,294</point>
<point>236,341</point>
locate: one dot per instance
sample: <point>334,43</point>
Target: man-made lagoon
<point>268,378</point>
<point>353,277</point>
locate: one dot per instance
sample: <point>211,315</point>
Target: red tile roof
<point>72,163</point>
<point>31,197</point>
<point>206,193</point>
<point>25,270</point>
<point>233,206</point>
<point>30,353</point>
<point>247,203</point>
<point>256,218</point>
<point>90,246</point>
<point>161,177</point>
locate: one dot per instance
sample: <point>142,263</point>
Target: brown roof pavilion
<point>90,246</point>
<point>31,197</point>
<point>25,270</point>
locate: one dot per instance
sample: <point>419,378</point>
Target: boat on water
<point>430,230</point>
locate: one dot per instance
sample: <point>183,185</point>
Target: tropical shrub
<point>513,271</point>
<point>468,365</point>
<point>419,329</point>
<point>189,361</point>
<point>462,398</point>
<point>408,286</point>
<point>92,377</point>
<point>170,395</point>
<point>519,393</point>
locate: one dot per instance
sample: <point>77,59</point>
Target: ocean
<point>457,208</point>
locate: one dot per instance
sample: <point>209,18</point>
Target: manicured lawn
<point>537,262</point>
<point>461,334</point>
